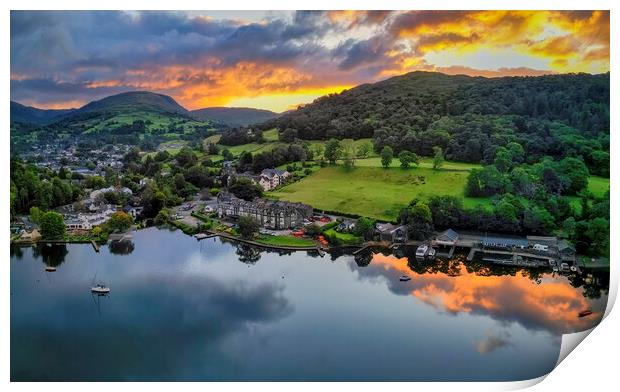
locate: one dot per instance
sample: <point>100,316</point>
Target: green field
<point>424,163</point>
<point>285,240</point>
<point>375,192</point>
<point>598,185</point>
<point>271,135</point>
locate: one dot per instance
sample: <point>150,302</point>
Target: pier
<point>95,245</point>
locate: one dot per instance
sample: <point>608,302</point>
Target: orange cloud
<point>570,42</point>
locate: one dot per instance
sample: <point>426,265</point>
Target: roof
<point>388,227</point>
<point>273,172</point>
<point>448,235</point>
<point>504,241</point>
<point>565,245</point>
<point>385,227</point>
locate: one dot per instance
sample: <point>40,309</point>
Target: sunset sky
<point>278,59</point>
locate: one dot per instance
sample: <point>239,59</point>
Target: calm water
<point>186,310</point>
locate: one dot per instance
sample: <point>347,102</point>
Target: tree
<point>163,217</point>
<point>386,156</point>
<point>245,190</point>
<point>35,215</point>
<point>119,221</point>
<point>228,156</point>
<point>364,150</point>
<point>577,173</point>
<point>289,135</point>
<point>52,226</point>
<point>487,181</point>
<point>349,153</point>
<point>186,157</point>
<point>438,159</point>
<point>446,210</point>
<point>333,151</point>
<point>248,227</point>
<point>418,218</point>
<point>569,228</point>
<point>96,231</point>
<point>503,159</point>
<point>407,158</point>
<point>364,227</point>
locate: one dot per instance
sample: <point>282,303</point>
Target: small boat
<point>556,269</point>
<point>421,251</point>
<point>50,269</point>
<point>405,278</point>
<point>100,289</point>
<point>585,313</point>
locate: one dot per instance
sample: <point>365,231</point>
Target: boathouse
<point>392,233</point>
<point>504,242</point>
<point>448,238</point>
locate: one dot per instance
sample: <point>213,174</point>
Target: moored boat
<point>100,289</point>
<point>585,313</point>
<point>405,278</point>
<point>421,251</point>
<point>50,269</point>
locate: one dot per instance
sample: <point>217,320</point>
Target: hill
<point>131,112</point>
<point>233,116</point>
<point>134,101</point>
<point>468,118</point>
<point>138,117</point>
<point>31,115</point>
<point>416,100</point>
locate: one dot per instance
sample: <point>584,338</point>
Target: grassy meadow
<point>375,192</point>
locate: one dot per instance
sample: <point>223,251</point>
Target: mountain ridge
<point>234,116</point>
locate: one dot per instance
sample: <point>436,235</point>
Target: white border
<point>593,364</point>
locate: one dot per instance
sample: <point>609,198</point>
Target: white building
<point>272,178</point>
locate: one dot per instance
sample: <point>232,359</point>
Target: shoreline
<point>314,248</point>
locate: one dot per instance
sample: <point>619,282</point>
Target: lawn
<point>337,238</point>
<point>250,147</point>
<point>285,240</point>
<point>424,163</point>
<point>598,185</point>
<point>375,192</point>
<point>271,135</point>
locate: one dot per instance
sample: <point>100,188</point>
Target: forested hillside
<point>468,117</point>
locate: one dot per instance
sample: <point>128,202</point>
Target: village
<point>281,224</point>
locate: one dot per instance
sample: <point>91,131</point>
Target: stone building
<point>271,214</point>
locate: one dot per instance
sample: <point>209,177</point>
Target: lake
<point>180,309</point>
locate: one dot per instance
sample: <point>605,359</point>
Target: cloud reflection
<point>155,329</point>
<point>550,303</point>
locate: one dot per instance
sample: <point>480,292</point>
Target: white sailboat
<point>99,288</point>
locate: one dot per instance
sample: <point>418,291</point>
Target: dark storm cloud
<point>49,48</point>
<point>356,53</point>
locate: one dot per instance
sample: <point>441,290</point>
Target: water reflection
<point>187,310</point>
<point>178,321</point>
<point>121,247</point>
<point>248,254</point>
<point>52,255</point>
<point>535,299</point>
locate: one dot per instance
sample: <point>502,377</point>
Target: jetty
<point>95,245</point>
<point>203,236</point>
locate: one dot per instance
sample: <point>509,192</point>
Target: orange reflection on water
<point>551,304</point>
